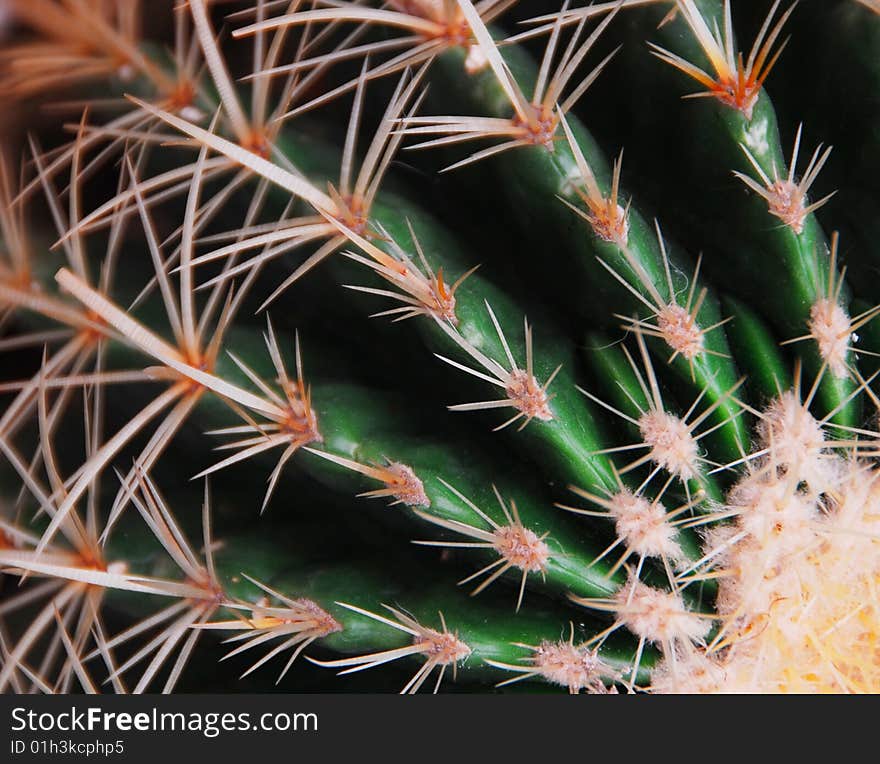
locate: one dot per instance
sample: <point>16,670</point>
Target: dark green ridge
<point>687,150</point>
<point>533,180</point>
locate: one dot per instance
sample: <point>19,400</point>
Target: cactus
<point>618,419</point>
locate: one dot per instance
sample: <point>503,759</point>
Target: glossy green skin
<point>359,423</point>
<point>353,426</point>
<point>752,252</point>
<point>567,443</point>
<point>369,427</point>
<point>487,626</point>
<point>751,340</point>
<point>565,446</point>
<point>534,179</point>
<point>288,565</point>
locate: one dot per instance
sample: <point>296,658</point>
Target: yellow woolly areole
<point>798,593</point>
